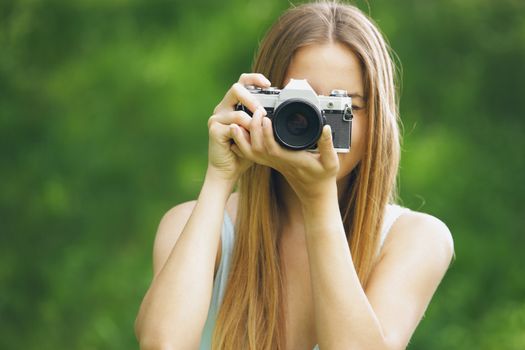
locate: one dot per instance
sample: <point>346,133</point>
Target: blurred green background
<point>103,110</point>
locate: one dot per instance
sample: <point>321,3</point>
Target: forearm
<point>344,317</point>
<point>176,305</point>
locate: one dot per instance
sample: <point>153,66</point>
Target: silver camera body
<point>298,115</point>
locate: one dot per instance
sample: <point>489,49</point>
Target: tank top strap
<point>227,241</point>
<point>227,234</point>
<point>392,213</point>
<point>221,279</point>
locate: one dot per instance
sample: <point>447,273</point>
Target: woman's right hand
<point>226,121</point>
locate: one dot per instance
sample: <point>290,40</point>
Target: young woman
<point>319,256</point>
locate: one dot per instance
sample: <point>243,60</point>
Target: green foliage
<point>103,110</point>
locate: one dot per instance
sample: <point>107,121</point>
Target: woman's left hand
<point>311,175</point>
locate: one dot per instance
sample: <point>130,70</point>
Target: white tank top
<point>392,213</point>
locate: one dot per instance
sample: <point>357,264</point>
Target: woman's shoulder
<point>168,232</point>
<point>172,224</point>
<point>182,211</point>
<point>422,233</point>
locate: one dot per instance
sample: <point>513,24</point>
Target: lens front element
<point>297,124</point>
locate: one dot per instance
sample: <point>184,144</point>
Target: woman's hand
<point>311,175</point>
<point>222,162</point>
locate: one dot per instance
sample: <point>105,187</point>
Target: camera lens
<point>297,124</point>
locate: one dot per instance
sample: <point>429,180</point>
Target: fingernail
<point>328,133</point>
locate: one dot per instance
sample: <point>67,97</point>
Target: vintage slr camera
<point>298,115</point>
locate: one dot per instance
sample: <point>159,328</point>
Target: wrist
<point>321,214</point>
<point>324,198</point>
<point>319,195</point>
<point>218,183</point>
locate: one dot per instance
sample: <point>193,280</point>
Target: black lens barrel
<point>297,124</point>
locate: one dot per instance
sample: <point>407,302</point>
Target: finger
<point>326,149</point>
<point>237,117</point>
<point>256,131</point>
<point>237,94</point>
<point>246,135</point>
<point>219,132</point>
<point>235,149</point>
<point>241,141</point>
<point>297,158</point>
<point>256,79</point>
<point>272,147</point>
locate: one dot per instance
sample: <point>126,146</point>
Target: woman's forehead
<point>327,67</point>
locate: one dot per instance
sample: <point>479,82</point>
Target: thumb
<point>326,148</point>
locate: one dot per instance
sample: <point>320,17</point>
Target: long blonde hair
<point>252,312</point>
